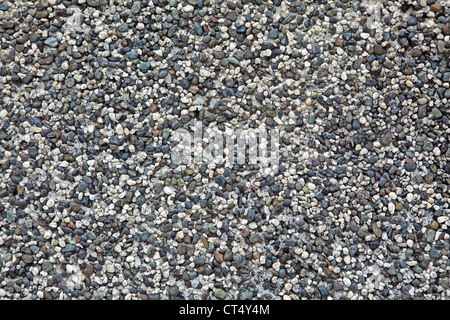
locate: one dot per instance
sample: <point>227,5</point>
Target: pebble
<point>220,294</point>
<point>27,258</point>
<point>188,8</point>
<point>436,113</point>
<point>51,42</point>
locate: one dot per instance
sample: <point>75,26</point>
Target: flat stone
<point>27,258</point>
<point>254,238</point>
<point>436,113</point>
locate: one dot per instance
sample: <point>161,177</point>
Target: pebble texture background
<point>91,206</point>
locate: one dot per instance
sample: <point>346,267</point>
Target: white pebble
<point>168,190</point>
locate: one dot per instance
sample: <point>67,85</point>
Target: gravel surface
<point>92,205</point>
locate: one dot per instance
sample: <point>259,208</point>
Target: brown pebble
<point>201,269</point>
<point>82,59</point>
<point>327,271</point>
<point>194,89</point>
<point>339,43</point>
<point>378,49</point>
<point>416,52</point>
<point>212,43</point>
<point>190,250</point>
<point>47,296</point>
<point>446,30</point>
<point>75,207</point>
<point>204,241</point>
<point>20,190</point>
<point>434,225</point>
<point>181,250</point>
<point>245,233</point>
